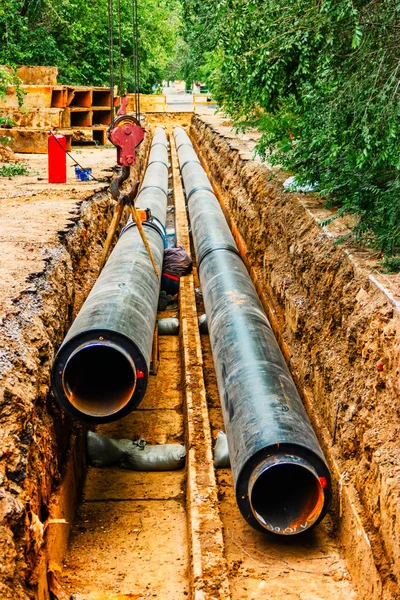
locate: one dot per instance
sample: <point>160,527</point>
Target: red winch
<point>126,134</point>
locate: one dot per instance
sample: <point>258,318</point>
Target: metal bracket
<point>126,133</point>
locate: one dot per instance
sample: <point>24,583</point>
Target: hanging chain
<point>111,56</point>
<point>121,85</point>
<point>137,59</point>
<point>135,31</point>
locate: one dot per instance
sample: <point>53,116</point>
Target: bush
<point>8,76</point>
<point>321,81</point>
<point>6,123</point>
<point>13,169</point>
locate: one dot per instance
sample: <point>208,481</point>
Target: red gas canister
<point>57,147</point>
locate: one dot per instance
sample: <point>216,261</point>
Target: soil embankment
<point>338,322</point>
<point>50,240</point>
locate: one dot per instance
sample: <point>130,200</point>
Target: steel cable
<point>111,55</point>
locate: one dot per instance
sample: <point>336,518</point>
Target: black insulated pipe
<point>101,370</point>
<point>282,482</point>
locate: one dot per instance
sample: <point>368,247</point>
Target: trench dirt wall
<point>37,440</point>
<point>340,333</point>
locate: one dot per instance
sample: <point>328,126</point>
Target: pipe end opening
<point>286,495</point>
<point>99,379</point>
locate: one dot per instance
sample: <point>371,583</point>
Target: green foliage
<point>202,24</point>
<point>13,169</point>
<point>320,79</point>
<point>6,122</point>
<point>391,264</point>
<point>158,91</point>
<point>8,76</point>
<point>73,35</point>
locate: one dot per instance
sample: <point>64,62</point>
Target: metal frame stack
<point>81,113</point>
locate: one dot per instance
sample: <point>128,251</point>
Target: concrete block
<point>100,135</point>
<point>101,97</point>
<point>80,96</point>
<point>148,103</point>
<point>97,134</point>
<point>36,96</point>
<point>38,75</point>
<point>101,116</point>
<point>38,118</point>
<point>31,141</point>
<point>86,96</point>
<point>59,97</point>
<point>79,116</point>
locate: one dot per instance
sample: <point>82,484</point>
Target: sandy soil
<point>130,535</point>
<point>34,213</point>
<point>7,155</point>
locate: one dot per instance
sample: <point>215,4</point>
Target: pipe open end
<point>99,379</point>
<point>286,495</point>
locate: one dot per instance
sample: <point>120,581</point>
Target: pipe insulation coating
<point>101,370</point>
<point>282,482</point>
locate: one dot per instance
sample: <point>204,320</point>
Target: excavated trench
<point>338,322</point>
<point>41,449</point>
<point>180,534</point>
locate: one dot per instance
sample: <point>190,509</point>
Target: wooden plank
<point>209,575</point>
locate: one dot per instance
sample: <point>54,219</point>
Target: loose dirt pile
<point>7,155</point>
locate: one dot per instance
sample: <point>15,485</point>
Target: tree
<point>73,35</point>
<point>325,72</point>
